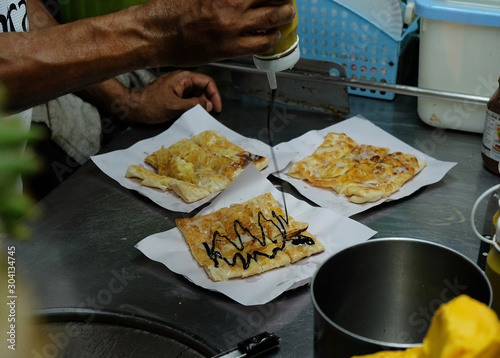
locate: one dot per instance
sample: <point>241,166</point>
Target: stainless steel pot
<point>382,294</point>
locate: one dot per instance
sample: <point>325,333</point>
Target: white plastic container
<point>459,52</point>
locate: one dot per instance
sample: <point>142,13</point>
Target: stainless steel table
<point>82,264</point>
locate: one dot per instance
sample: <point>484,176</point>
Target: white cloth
<point>76,125</point>
<point>136,79</point>
<point>13,16</point>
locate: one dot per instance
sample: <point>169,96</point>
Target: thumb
<point>208,105</point>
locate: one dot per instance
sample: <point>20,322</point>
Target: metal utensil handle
<point>493,240</point>
<point>259,344</point>
<point>252,346</point>
<point>305,68</point>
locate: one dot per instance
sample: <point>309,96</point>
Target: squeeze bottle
<point>284,55</point>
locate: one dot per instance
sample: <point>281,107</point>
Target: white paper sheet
<point>192,122</point>
<point>334,231</point>
<point>363,132</point>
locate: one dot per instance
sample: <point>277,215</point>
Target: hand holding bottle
<point>193,32</point>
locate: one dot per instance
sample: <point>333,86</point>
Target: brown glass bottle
<point>491,134</point>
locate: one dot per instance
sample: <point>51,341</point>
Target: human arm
<point>45,63</point>
<point>164,99</point>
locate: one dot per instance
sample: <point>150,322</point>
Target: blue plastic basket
<point>329,31</point>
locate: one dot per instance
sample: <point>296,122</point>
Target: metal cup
<point>382,294</point>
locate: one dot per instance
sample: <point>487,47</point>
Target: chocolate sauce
<point>270,142</point>
<point>303,240</point>
<point>216,255</point>
<point>277,220</point>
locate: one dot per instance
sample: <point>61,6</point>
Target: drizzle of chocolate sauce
<point>246,258</point>
<point>270,141</point>
<point>278,221</point>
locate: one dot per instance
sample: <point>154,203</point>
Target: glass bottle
<point>491,135</point>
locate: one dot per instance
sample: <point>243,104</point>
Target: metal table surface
<point>82,254</point>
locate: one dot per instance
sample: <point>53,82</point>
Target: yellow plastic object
<point>409,353</point>
<point>461,328</point>
<point>288,37</point>
<point>492,269</point>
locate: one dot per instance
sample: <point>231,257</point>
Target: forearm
<point>46,63</point>
<point>110,94</point>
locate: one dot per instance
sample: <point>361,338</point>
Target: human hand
<point>194,32</point>
<point>170,96</point>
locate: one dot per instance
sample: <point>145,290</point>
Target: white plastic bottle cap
<point>277,62</point>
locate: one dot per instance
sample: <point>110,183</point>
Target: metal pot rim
<point>369,242</point>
